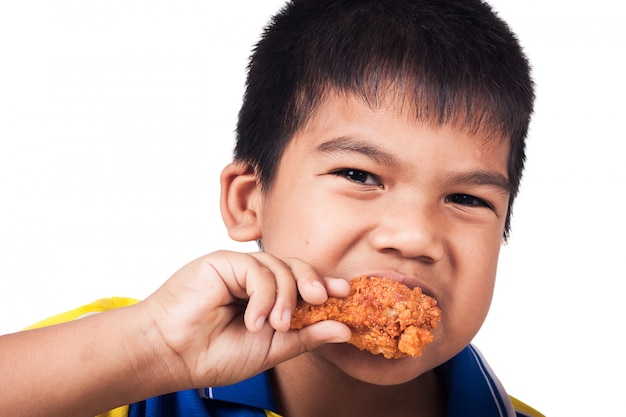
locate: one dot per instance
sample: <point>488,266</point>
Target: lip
<point>408,280</point>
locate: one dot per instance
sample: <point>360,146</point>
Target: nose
<point>412,231</point>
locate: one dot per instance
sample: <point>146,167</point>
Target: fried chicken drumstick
<point>386,317</point>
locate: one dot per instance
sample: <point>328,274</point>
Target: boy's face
<point>362,191</point>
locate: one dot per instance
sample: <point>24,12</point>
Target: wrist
<point>157,365</point>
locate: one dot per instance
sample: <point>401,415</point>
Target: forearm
<point>192,332</point>
<point>82,368</point>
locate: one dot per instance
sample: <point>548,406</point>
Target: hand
<point>225,317</point>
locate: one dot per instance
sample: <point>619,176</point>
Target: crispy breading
<point>386,317</point>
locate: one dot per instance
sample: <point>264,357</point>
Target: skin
<point>191,332</point>
<point>358,191</point>
<point>362,191</point>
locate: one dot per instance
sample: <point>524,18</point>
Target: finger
<point>316,335</point>
<point>261,289</point>
<point>337,287</point>
<point>311,286</point>
<point>285,294</point>
<point>327,331</point>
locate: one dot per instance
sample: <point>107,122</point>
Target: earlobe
<point>239,202</point>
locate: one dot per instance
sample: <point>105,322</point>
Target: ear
<point>239,202</point>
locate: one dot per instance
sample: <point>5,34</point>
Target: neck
<point>309,386</point>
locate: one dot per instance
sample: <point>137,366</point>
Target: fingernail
<point>286,318</point>
<point>337,339</point>
<point>318,285</point>
<point>259,323</point>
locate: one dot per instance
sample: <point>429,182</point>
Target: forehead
<point>473,116</point>
<point>338,111</point>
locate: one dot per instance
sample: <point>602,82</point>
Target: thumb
<point>315,335</point>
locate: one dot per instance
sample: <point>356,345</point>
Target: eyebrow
<point>351,145</point>
<point>478,178</point>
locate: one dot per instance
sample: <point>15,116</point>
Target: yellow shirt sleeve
<point>97,306</point>
<point>525,408</point>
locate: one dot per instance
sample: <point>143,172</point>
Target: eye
<point>358,176</point>
<point>467,200</point>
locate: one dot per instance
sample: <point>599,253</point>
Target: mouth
<point>410,281</point>
<point>386,316</point>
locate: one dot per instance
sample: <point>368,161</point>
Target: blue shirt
<point>473,390</point>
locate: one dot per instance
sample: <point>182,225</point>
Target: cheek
<point>301,226</point>
<point>476,251</point>
<point>479,274</point>
<point>474,262</point>
<point>473,291</point>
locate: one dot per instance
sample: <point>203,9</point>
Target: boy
<point>376,137</point>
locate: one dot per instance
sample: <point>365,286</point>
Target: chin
<point>374,369</point>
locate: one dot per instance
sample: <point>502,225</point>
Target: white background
<point>117,116</point>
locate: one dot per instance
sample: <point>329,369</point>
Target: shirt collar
<point>254,392</point>
<point>473,389</point>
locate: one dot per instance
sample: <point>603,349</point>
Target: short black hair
<point>452,61</point>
